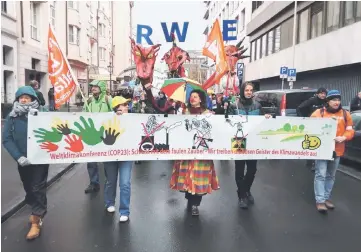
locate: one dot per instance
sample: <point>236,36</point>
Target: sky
<point>152,13</point>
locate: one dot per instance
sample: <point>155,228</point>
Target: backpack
<point>106,101</point>
<point>344,114</point>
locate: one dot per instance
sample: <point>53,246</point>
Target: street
<point>284,217</point>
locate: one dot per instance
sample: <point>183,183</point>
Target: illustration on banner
<point>85,133</point>
<point>203,132</point>
<point>149,129</point>
<point>239,141</point>
<point>311,143</point>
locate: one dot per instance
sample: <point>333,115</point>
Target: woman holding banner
<point>194,177</point>
<point>14,139</point>
<point>123,168</point>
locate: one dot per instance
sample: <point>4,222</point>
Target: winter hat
<point>321,90</point>
<point>332,94</point>
<point>26,90</point>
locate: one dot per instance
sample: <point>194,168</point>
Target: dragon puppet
<point>233,54</point>
<point>175,58</point>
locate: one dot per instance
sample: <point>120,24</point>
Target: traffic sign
<point>283,72</point>
<point>240,67</point>
<point>291,74</point>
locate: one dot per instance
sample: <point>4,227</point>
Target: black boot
<point>92,188</point>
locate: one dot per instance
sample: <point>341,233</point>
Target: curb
<point>16,207</point>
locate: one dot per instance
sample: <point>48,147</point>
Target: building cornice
<point>9,33</point>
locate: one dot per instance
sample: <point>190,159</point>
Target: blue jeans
<point>124,168</point>
<point>93,173</point>
<point>325,173</point>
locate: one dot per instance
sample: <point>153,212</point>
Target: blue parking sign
<point>283,72</point>
<point>240,67</point>
<point>291,74</point>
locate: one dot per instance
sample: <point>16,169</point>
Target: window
<point>277,39</point>
<point>333,15</point>
<point>287,33</point>
<point>256,5</point>
<point>258,47</point>
<point>316,19</point>
<point>237,27</point>
<point>52,14</point>
<point>253,51</point>
<point>102,53</point>
<point>73,4</point>
<point>243,16</point>
<point>352,11</point>
<point>270,42</point>
<point>358,10</point>
<point>264,46</point>
<point>34,13</point>
<point>74,35</point>
<point>224,14</point>
<point>102,30</point>
<point>237,4</point>
<point>231,7</point>
<point>303,26</point>
<point>4,7</point>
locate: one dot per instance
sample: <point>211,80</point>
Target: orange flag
<point>214,49</point>
<point>60,73</point>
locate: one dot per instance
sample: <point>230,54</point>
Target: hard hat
<point>119,100</point>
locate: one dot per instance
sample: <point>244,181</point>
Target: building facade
<point>194,69</point>
<point>327,49</point>
<point>87,32</point>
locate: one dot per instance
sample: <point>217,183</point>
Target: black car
<point>353,147</point>
<point>283,102</point>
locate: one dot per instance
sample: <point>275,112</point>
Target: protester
<point>123,168</point>
<point>246,106</point>
<point>326,169</point>
<point>162,100</point>
<point>99,102</point>
<point>356,103</point>
<point>35,85</point>
<point>14,139</point>
<point>194,177</point>
<point>220,110</point>
<point>51,99</point>
<point>306,108</point>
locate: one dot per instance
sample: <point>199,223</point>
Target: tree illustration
<point>294,128</point>
<point>301,128</point>
<point>287,127</point>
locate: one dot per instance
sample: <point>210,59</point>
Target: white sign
<point>60,137</point>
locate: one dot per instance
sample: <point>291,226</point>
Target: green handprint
<point>88,133</point>
<point>48,136</point>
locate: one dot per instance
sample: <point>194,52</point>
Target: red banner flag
<point>60,73</point>
<point>214,49</point>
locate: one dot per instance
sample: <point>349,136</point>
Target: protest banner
<point>100,137</point>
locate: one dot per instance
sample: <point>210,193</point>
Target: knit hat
<point>321,90</point>
<point>332,94</point>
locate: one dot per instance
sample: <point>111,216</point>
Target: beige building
<point>193,68</point>
<point>92,34</point>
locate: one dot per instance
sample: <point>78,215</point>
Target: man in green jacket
<point>99,102</point>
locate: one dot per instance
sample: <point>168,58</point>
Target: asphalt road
<point>283,219</point>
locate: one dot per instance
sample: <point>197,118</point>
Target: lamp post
<point>110,69</point>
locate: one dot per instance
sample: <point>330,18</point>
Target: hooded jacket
<point>15,131</point>
<point>100,104</point>
<point>306,108</point>
<point>246,106</point>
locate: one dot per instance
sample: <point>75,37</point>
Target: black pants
<point>245,181</point>
<point>193,199</point>
<point>34,178</point>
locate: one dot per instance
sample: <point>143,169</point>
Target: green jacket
<point>100,104</point>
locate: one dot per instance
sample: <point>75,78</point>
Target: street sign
<point>283,72</point>
<point>240,67</point>
<point>291,74</point>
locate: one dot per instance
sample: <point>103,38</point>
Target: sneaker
<point>250,198</point>
<point>111,209</point>
<point>92,188</point>
<point>243,203</point>
<point>329,204</point>
<point>321,207</point>
<point>123,218</point>
<point>195,211</point>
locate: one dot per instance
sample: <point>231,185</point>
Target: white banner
<point>60,137</point>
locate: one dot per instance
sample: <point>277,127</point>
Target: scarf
<point>196,111</point>
<point>332,110</point>
<point>23,109</point>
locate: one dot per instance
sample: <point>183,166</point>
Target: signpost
<point>283,74</point>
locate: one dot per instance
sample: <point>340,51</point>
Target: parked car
<point>283,102</point>
<point>353,147</point>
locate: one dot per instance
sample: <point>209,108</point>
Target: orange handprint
<point>75,144</point>
<point>50,147</point>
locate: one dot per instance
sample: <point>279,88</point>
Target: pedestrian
<point>14,139</point>
<point>35,85</point>
<point>356,103</point>
<point>51,98</point>
<point>326,169</point>
<point>246,106</point>
<point>220,110</point>
<point>162,100</point>
<point>123,168</point>
<point>194,177</point>
<point>98,102</point>
<point>306,108</point>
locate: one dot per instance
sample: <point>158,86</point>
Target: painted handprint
<point>62,126</point>
<point>88,133</point>
<point>112,131</point>
<point>48,136</point>
<point>75,144</point>
<point>50,147</point>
